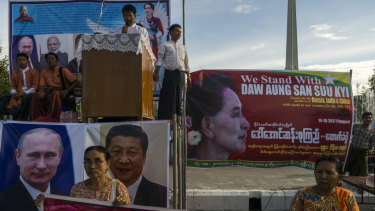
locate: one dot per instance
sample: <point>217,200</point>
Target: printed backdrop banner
<point>290,118</point>
<point>57,26</point>
<point>76,138</point>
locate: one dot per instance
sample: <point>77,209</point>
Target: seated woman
<point>219,127</point>
<point>55,84</point>
<point>326,194</point>
<point>99,186</point>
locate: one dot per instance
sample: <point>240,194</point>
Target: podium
<point>117,76</point>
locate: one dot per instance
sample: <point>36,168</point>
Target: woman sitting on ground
<point>326,194</point>
<point>99,186</point>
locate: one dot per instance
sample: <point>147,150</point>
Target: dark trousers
<point>357,162</point>
<point>18,113</point>
<point>170,94</point>
<point>4,101</point>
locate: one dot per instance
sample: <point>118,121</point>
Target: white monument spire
<point>291,62</point>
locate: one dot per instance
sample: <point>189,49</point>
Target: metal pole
<point>175,170</point>
<point>183,21</point>
<point>179,163</point>
<point>183,141</point>
<point>100,15</point>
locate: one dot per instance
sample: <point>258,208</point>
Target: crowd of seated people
<point>35,95</point>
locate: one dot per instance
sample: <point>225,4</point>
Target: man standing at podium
<point>129,12</point>
<point>176,64</point>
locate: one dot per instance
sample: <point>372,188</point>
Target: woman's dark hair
<point>334,160</point>
<point>99,149</point>
<point>205,97</point>
<point>53,54</point>
<point>151,5</point>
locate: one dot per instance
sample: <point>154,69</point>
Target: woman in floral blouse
<point>326,194</point>
<point>99,186</point>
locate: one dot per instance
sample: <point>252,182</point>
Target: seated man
<point>24,83</point>
<point>54,87</point>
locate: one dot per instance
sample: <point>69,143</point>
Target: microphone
<point>100,16</point>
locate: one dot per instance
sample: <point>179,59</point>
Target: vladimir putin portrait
<point>26,45</point>
<point>38,154</point>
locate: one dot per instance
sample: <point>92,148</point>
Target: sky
<point>333,35</point>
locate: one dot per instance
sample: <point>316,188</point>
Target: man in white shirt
<point>129,12</point>
<point>176,64</point>
<point>38,154</point>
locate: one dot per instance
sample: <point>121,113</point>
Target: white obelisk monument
<point>291,62</point>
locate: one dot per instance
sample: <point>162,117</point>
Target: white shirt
<point>25,89</point>
<point>174,56</point>
<point>133,188</point>
<point>30,63</point>
<point>135,29</point>
<point>32,191</point>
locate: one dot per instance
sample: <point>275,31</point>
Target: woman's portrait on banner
<point>215,112</point>
<point>156,23</point>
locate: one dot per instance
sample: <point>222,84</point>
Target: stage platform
<point>244,188</point>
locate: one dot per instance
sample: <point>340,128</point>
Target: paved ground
<point>242,188</point>
<point>230,188</point>
<point>245,178</point>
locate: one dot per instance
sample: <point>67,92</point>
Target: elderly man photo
<point>23,16</point>
<point>26,45</point>
<point>127,147</point>
<point>53,45</point>
<point>38,154</point>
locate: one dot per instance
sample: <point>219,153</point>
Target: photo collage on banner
<point>45,27</point>
<point>267,119</point>
<point>139,157</point>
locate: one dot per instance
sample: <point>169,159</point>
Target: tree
<point>4,75</point>
<point>371,80</point>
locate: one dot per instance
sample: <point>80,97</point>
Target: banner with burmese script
<point>267,119</point>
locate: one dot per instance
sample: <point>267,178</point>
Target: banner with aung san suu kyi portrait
<point>267,119</point>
